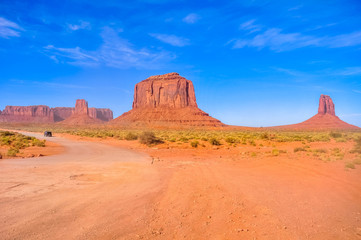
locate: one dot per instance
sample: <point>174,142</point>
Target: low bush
<point>299,149</point>
<point>149,138</point>
<point>214,141</point>
<point>131,136</point>
<point>275,152</point>
<point>335,134</point>
<point>350,165</point>
<point>194,144</point>
<point>12,152</point>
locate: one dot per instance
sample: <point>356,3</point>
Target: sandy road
<point>98,191</point>
<point>92,191</point>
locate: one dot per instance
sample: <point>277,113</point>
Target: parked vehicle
<point>48,134</point>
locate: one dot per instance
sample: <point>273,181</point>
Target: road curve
<point>79,194</point>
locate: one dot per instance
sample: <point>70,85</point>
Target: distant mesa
<point>325,118</point>
<point>165,100</point>
<point>45,114</point>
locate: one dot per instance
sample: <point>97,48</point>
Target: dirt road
<point>98,191</point>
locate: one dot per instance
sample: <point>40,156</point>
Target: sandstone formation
<point>81,107</point>
<point>44,114</point>
<point>165,100</point>
<point>62,113</point>
<point>32,114</point>
<point>325,118</point>
<point>82,115</point>
<point>326,105</point>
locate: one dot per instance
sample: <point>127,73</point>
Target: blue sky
<point>253,62</point>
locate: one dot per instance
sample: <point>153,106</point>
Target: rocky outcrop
<point>62,113</point>
<point>81,107</point>
<point>166,101</point>
<point>325,119</point>
<point>168,90</point>
<point>326,105</point>
<point>32,114</point>
<point>44,114</point>
<point>104,114</point>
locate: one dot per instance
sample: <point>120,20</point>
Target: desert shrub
<point>38,143</point>
<point>231,140</point>
<point>194,144</point>
<point>299,149</point>
<point>253,154</point>
<point>214,141</point>
<point>350,165</point>
<point>131,136</point>
<point>12,152</point>
<point>357,161</point>
<point>149,138</point>
<point>183,139</point>
<point>252,143</point>
<point>321,150</point>
<point>275,152</point>
<point>335,134</point>
<point>357,147</point>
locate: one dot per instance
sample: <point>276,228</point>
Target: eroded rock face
<point>38,113</point>
<point>168,90</point>
<point>166,101</point>
<point>326,105</point>
<point>44,114</point>
<point>81,107</point>
<point>62,113</point>
<point>325,119</point>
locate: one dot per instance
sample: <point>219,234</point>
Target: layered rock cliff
<point>168,90</point>
<point>44,114</point>
<point>165,100</point>
<point>33,114</point>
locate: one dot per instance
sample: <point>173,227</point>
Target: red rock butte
<point>325,118</point>
<point>165,100</point>
<point>45,114</point>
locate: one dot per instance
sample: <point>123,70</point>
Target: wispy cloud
<point>171,39</point>
<point>350,71</point>
<point>356,91</point>
<point>114,52</point>
<point>191,18</point>
<point>80,25</point>
<point>278,41</point>
<point>9,28</point>
<point>250,26</point>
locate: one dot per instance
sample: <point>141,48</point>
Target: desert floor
<point>108,191</point>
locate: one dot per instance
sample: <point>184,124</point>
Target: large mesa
<point>165,100</point>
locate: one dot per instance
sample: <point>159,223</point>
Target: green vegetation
<point>16,141</point>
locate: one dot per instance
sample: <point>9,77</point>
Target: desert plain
<point>168,170</point>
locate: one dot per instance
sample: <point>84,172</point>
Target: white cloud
<point>171,39</point>
<point>191,18</point>
<point>9,28</point>
<point>114,52</point>
<point>276,40</point>
<point>81,25</point>
<point>350,71</point>
<point>356,91</point>
<point>250,26</point>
